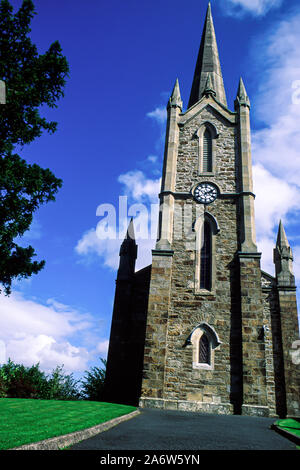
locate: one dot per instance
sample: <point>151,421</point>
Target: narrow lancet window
<point>205,259</point>
<point>207,152</point>
<point>204,350</point>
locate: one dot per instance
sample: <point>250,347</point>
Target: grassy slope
<point>23,421</point>
<point>291,425</point>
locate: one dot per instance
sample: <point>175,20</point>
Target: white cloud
<point>296,255</point>
<point>102,347</point>
<point>108,249</point>
<point>142,204</point>
<point>265,246</point>
<point>276,147</point>
<point>31,332</point>
<point>275,197</point>
<point>139,187</point>
<point>255,7</point>
<point>278,144</point>
<point>2,352</point>
<point>159,115</point>
<point>152,158</point>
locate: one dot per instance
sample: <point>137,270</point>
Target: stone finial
<point>175,99</point>
<point>242,98</point>
<point>283,259</point>
<point>208,62</point>
<point>2,92</point>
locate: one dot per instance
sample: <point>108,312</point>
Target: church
<point>203,328</point>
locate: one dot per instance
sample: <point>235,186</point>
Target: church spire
<point>208,64</point>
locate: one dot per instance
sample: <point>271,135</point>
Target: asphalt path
<point>177,430</point>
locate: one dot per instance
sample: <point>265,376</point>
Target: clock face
<point>205,193</point>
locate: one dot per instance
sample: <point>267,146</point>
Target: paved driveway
<point>176,430</point>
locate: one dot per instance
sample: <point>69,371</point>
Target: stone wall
<point>182,308</point>
<point>289,334</point>
<point>157,320</point>
<point>127,340</point>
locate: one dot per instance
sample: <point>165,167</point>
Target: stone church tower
<point>204,328</point>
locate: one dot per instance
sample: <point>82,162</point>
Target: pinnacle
<point>242,98</point>
<point>242,90</point>
<point>175,99</point>
<point>176,90</point>
<point>130,235</point>
<point>282,241</point>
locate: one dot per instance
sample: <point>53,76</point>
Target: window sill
<point>199,366</point>
<point>204,292</point>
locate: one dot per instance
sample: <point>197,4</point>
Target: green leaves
<point>23,188</point>
<point>93,383</point>
<point>18,381</point>
<point>32,80</point>
<point>62,386</point>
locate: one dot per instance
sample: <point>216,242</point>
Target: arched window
<point>204,350</point>
<point>205,341</point>
<point>207,152</point>
<point>206,257</point>
<point>206,228</point>
<point>207,135</point>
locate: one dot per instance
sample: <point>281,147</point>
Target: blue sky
<point>124,58</point>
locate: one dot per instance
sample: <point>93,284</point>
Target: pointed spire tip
<point>208,61</point>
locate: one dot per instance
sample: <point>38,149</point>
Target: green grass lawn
<point>23,421</point>
<point>291,425</point>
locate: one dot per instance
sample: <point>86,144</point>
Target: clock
<point>205,193</point>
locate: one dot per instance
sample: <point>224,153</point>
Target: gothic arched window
<point>206,257</point>
<point>204,341</point>
<point>207,152</point>
<point>204,350</point>
<point>207,135</point>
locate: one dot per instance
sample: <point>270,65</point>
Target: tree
<point>62,386</point>
<point>19,381</point>
<point>32,80</point>
<point>93,383</point>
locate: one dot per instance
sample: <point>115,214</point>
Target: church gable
<point>211,104</point>
<point>191,150</point>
